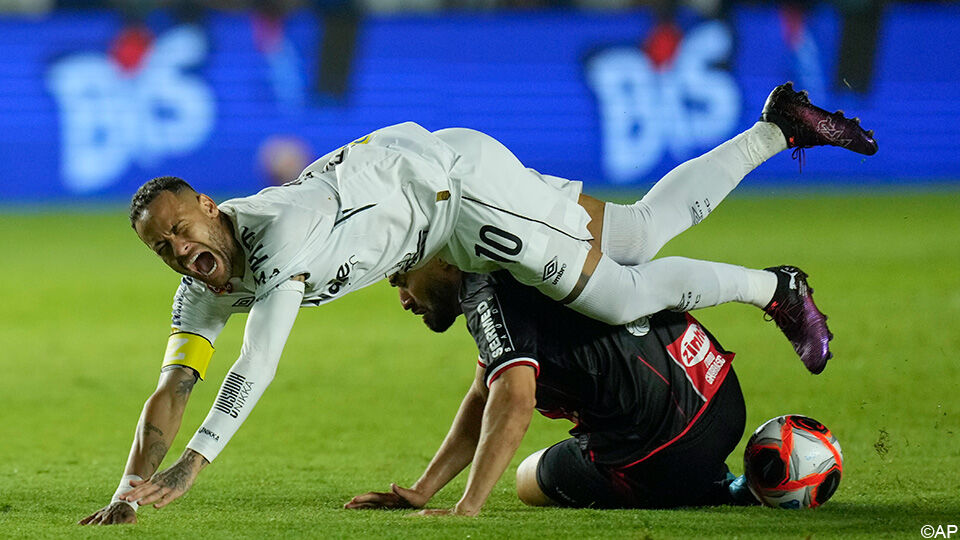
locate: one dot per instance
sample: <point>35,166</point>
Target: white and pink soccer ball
<point>794,462</point>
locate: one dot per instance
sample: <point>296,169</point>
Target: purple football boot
<point>796,315</point>
<point>805,125</point>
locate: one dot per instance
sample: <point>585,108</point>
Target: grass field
<point>365,393</point>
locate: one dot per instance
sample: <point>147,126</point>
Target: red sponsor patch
<point>704,365</point>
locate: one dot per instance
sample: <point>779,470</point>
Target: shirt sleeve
<point>198,310</point>
<point>264,337</point>
<point>505,337</point>
<point>198,317</point>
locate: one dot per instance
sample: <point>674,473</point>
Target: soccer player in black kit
<point>656,403</point>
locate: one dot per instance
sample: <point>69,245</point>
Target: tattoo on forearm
<point>156,453</point>
<point>185,386</point>
<point>149,428</point>
<point>192,456</point>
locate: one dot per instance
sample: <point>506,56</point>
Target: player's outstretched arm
<point>454,454</point>
<point>505,420</point>
<point>158,425</point>
<point>264,336</point>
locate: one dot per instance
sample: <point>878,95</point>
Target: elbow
<point>516,388</point>
<point>526,402</point>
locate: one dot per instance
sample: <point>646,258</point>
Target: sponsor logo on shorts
<point>554,269</point>
<point>714,369</point>
<point>694,346</point>
<point>696,354</point>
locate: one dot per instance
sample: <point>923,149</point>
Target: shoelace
<point>784,311</point>
<point>799,156</point>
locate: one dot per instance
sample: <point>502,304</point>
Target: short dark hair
<point>150,190</point>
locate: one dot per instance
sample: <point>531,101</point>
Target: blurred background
<point>96,97</point>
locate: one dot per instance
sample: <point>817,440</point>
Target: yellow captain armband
<point>190,350</point>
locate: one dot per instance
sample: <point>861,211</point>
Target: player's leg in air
<point>521,224</point>
<point>633,234</point>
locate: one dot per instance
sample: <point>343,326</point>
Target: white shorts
<point>515,218</point>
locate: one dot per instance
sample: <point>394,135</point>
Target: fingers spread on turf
<point>357,504</point>
<point>142,493</point>
<point>135,493</point>
<point>152,496</point>
<point>365,506</point>
<point>167,498</point>
<point>372,499</point>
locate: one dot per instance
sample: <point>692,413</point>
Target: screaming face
<point>190,234</point>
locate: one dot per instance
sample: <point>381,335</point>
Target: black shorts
<point>690,472</point>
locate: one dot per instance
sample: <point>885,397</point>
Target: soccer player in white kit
<point>400,196</point>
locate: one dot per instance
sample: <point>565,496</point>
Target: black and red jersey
<point>630,389</point>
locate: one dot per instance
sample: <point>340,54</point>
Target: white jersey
<point>384,204</point>
<point>379,205</point>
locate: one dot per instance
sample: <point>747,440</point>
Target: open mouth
<point>203,263</point>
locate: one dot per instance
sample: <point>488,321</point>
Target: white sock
<point>633,234</point>
<point>619,294</point>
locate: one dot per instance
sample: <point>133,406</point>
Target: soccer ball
<point>793,462</point>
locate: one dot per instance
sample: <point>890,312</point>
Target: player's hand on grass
<point>397,497</point>
<point>118,512</point>
<point>167,485</point>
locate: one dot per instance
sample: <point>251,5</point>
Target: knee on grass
<point>528,490</point>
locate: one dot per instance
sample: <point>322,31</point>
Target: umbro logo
<point>550,269</point>
<point>246,301</point>
<point>554,269</point>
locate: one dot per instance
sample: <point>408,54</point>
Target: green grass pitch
<point>365,393</point>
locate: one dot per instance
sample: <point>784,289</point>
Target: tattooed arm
<point>159,423</point>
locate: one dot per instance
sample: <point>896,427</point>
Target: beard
<point>222,239</point>
<point>444,305</point>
